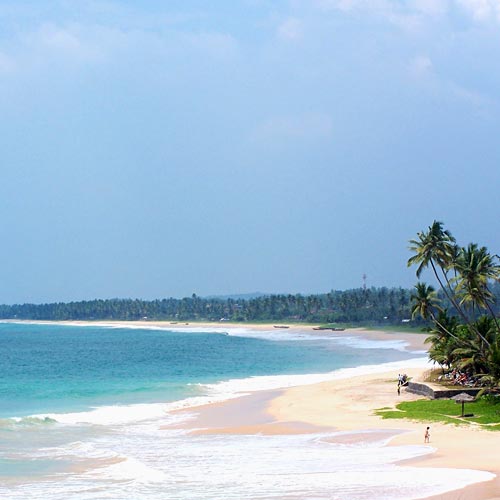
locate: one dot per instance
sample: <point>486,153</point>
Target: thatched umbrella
<point>463,397</point>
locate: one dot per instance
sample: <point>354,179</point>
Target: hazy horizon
<point>170,148</point>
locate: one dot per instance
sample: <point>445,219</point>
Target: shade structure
<point>463,398</point>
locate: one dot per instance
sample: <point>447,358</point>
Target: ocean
<point>88,412</point>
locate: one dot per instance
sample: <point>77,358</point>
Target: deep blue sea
<point>88,412</point>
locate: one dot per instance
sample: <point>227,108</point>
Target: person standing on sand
<point>427,435</point>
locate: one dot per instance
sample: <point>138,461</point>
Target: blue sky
<point>160,148</point>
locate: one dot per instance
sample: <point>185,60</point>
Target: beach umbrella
<point>463,397</point>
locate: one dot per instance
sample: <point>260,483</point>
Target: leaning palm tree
<point>437,248</point>
<point>426,305</point>
<point>434,248</point>
<point>492,375</point>
<point>425,301</point>
<point>445,338</point>
<point>473,354</point>
<point>476,267</point>
<point>442,351</point>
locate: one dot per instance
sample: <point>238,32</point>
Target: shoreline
<point>345,405</point>
<point>342,404</point>
<point>414,340</point>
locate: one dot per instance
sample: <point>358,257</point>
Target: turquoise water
<point>88,413</point>
<point>52,368</point>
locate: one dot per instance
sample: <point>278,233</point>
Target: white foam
<point>218,392</point>
<point>126,414</point>
<point>274,335</point>
<point>304,466</point>
<point>133,469</point>
<point>365,343</point>
<point>260,383</point>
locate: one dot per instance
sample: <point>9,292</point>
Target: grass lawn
<point>486,412</point>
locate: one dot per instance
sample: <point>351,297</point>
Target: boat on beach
<point>329,328</point>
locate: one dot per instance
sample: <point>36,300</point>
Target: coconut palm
<point>475,269</point>
<point>434,248</point>
<point>437,248</point>
<point>473,354</point>
<point>444,339</point>
<point>425,301</point>
<point>475,344</point>
<point>426,305</point>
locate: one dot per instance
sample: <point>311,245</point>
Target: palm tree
<point>441,351</point>
<point>444,339</point>
<point>426,305</point>
<point>425,301</point>
<point>436,247</point>
<point>475,269</point>
<point>472,353</point>
<point>433,247</point>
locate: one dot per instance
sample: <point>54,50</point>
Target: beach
<point>348,405</point>
<point>314,433</point>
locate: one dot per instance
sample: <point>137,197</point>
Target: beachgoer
<point>427,435</point>
<point>399,388</point>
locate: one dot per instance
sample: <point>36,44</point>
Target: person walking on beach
<point>427,435</point>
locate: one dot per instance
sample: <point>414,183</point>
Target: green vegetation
<point>467,338</point>
<point>372,308</point>
<point>486,412</point>
<point>375,306</point>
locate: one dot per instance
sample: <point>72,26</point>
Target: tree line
<point>362,305</point>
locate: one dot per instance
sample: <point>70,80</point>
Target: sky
<point>162,148</point>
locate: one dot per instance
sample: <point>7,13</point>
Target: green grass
<point>486,413</point>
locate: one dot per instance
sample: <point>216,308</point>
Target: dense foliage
<point>465,332</point>
<point>377,305</point>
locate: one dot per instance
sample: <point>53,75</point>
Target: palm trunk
<point>444,328</point>
<point>457,307</point>
<point>492,314</point>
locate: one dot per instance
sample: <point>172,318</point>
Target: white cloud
<point>482,10</point>
<point>348,5</point>
<point>432,8</point>
<point>60,39</point>
<point>290,29</point>
<point>72,44</point>
<point>421,69</point>
<point>410,16</point>
<point>407,13</point>
<point>420,66</point>
<point>477,100</point>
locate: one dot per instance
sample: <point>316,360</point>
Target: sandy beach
<point>348,405</point>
